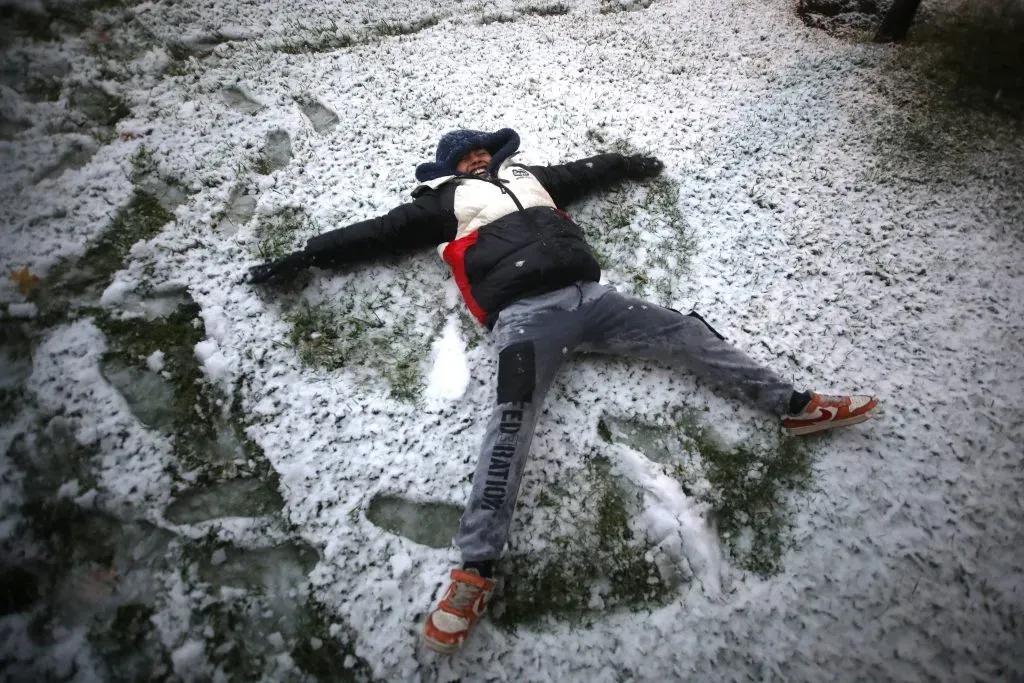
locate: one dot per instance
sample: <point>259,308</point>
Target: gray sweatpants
<point>535,336</point>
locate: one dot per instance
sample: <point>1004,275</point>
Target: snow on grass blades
<point>141,218</point>
<point>16,360</point>
<point>639,233</point>
<point>95,565</point>
<point>859,225</point>
<point>593,561</point>
<point>355,337</point>
<point>329,36</point>
<point>549,10</point>
<point>279,233</point>
<point>746,486</point>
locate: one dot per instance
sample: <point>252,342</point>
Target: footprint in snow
<point>77,155</point>
<point>322,118</point>
<point>430,524</point>
<point>241,207</point>
<point>277,151</point>
<point>238,100</point>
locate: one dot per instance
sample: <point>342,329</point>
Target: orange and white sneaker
<point>449,624</point>
<point>828,412</point>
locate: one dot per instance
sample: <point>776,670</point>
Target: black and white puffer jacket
<point>505,236</point>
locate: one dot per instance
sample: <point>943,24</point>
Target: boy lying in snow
<point>527,273</point>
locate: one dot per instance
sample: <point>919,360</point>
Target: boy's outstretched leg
<point>626,326</point>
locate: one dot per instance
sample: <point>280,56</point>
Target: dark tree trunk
<point>897,21</point>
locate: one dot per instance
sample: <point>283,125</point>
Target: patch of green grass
<point>117,108</point>
<point>143,164</point>
<point>241,622</point>
<point>553,10</point>
<point>177,68</point>
<point>99,105</point>
<point>620,217</point>
<point>601,552</point>
<point>261,164</point>
<point>278,234</point>
<point>16,342</point>
<point>198,409</point>
<point>51,456</point>
<point>186,55</point>
<point>500,18</point>
<point>179,52</point>
<point>42,89</point>
<point>128,642</point>
<point>31,25</point>
<point>404,28</point>
<point>357,337</point>
<point>322,663</point>
<point>142,218</point>
<point>186,58</point>
<point>317,44</point>
<point>75,545</point>
<point>404,375</point>
<point>750,484</point>
<point>327,37</point>
<point>133,340</point>
<point>613,6</point>
<point>323,38</point>
<point>315,335</point>
<point>132,623</point>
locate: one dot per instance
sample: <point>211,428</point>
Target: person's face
<point>476,162</point>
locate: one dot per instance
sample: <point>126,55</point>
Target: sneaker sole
<point>439,647</point>
<point>831,424</point>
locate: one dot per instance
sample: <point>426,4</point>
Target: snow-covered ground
<point>854,228</point>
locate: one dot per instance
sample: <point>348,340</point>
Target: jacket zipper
<point>498,183</point>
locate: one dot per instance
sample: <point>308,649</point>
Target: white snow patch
<point>116,291</point>
<point>401,563</point>
<point>68,489</point>
<point>155,361</point>
<point>675,523</point>
<point>216,365</point>
<point>189,659</point>
<point>22,310</point>
<point>449,374</point>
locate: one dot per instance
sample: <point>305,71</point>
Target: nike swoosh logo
<point>823,413</point>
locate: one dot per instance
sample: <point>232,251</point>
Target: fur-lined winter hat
<point>456,144</point>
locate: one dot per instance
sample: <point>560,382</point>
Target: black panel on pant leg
<point>516,373</point>
<point>695,314</point>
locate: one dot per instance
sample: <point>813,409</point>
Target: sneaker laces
<point>465,593</point>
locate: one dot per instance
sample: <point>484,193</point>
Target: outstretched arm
<point>416,225</point>
<point>570,182</point>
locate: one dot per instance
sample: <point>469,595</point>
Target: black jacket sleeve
<point>424,222</point>
<point>567,183</point>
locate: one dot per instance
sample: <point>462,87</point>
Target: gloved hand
<point>639,166</point>
<point>279,270</point>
